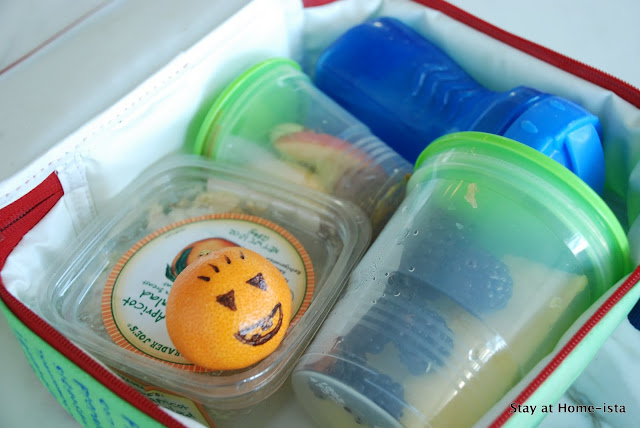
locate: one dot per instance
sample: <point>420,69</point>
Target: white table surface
<point>603,34</point>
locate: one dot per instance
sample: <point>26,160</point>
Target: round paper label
<point>135,295</point>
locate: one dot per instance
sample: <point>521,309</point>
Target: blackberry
<point>377,387</point>
<point>362,340</point>
<point>429,342</point>
<point>418,332</point>
<point>407,318</point>
<point>446,257</point>
<point>478,280</point>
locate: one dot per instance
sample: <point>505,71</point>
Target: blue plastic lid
<point>566,133</point>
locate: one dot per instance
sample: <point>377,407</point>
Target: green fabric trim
<point>549,393</point>
<point>83,397</point>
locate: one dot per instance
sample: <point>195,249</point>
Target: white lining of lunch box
<point>100,158</point>
<point>89,162</point>
<point>261,29</point>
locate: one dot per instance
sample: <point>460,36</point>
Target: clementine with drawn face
<point>228,309</point>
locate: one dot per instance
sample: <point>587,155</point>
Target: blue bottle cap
<point>566,133</point>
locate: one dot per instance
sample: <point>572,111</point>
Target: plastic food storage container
<point>495,252</point>
<point>110,293</point>
<point>273,119</point>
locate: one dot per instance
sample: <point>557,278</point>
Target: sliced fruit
<point>284,129</point>
<point>479,371</point>
<point>485,365</point>
<point>540,308</point>
<point>451,398</point>
<point>258,159</point>
<point>329,157</point>
<point>290,172</point>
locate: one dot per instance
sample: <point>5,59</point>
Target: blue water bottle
<point>409,93</point>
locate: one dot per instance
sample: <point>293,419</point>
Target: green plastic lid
<point>230,105</point>
<point>523,169</point>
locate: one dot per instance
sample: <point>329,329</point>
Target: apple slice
<point>290,172</point>
<point>284,129</point>
<point>255,158</point>
<point>329,157</point>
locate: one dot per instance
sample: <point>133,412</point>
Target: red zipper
<point>16,220</point>
<point>313,3</point>
<point>591,74</point>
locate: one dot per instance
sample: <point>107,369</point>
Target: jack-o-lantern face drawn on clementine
<point>264,329</point>
<point>265,325</point>
<point>228,309</point>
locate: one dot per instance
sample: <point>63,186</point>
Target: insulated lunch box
<point>77,136</point>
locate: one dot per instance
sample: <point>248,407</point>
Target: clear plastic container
<point>109,295</point>
<point>273,119</point>
<point>495,252</point>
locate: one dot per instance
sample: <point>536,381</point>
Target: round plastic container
<point>110,291</point>
<point>494,253</point>
<point>272,119</point>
